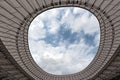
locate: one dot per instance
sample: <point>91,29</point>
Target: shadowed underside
<point>15,18</point>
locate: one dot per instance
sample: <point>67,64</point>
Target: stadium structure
<point>16,62</point>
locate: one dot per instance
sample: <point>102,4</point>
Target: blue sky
<point>64,40</point>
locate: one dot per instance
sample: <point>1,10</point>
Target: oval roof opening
<point>64,40</point>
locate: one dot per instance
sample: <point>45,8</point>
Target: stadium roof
<point>16,16</point>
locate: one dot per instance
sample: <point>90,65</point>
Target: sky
<point>64,40</point>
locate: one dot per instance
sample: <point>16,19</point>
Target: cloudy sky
<point>64,40</point>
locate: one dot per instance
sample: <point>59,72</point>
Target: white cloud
<point>61,60</point>
<point>97,39</point>
<point>84,22</point>
<point>78,10</point>
<point>49,14</point>
<point>92,26</point>
<point>54,26</point>
<point>76,57</point>
<point>80,22</point>
<point>36,30</point>
<point>67,18</point>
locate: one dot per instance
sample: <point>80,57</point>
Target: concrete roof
<point>16,16</point>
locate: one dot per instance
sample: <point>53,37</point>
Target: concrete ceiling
<point>16,16</point>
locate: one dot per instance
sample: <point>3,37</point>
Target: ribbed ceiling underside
<point>16,16</point>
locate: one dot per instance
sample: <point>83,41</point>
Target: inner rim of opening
<point>64,40</point>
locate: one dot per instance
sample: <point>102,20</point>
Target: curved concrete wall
<point>16,16</point>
